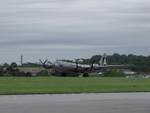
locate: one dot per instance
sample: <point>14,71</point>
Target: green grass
<point>51,85</point>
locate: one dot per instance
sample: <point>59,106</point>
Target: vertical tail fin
<point>103,60</point>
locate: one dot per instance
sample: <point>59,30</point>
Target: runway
<point>77,103</point>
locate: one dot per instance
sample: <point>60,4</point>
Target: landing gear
<point>85,74</point>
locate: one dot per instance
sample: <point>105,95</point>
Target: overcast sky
<point>57,29</point>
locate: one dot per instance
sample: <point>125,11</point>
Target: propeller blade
<point>45,61</point>
<point>40,61</point>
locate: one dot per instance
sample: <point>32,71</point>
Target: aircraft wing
<point>113,66</point>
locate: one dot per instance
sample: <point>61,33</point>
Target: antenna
<point>21,60</point>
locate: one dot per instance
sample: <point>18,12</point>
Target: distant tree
<point>5,65</point>
<point>29,64</point>
<point>13,65</point>
<point>1,71</point>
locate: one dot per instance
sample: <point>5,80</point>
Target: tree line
<point>137,62</point>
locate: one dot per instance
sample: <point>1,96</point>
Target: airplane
<point>64,68</point>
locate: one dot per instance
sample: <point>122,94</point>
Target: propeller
<point>92,65</point>
<point>43,63</point>
<point>46,63</point>
<point>77,61</point>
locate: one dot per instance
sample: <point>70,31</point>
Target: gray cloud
<point>73,27</point>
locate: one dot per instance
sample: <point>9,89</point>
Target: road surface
<point>77,103</point>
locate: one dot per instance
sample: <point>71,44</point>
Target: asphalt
<point>77,103</point>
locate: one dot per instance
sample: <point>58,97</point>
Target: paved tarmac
<point>77,103</point>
